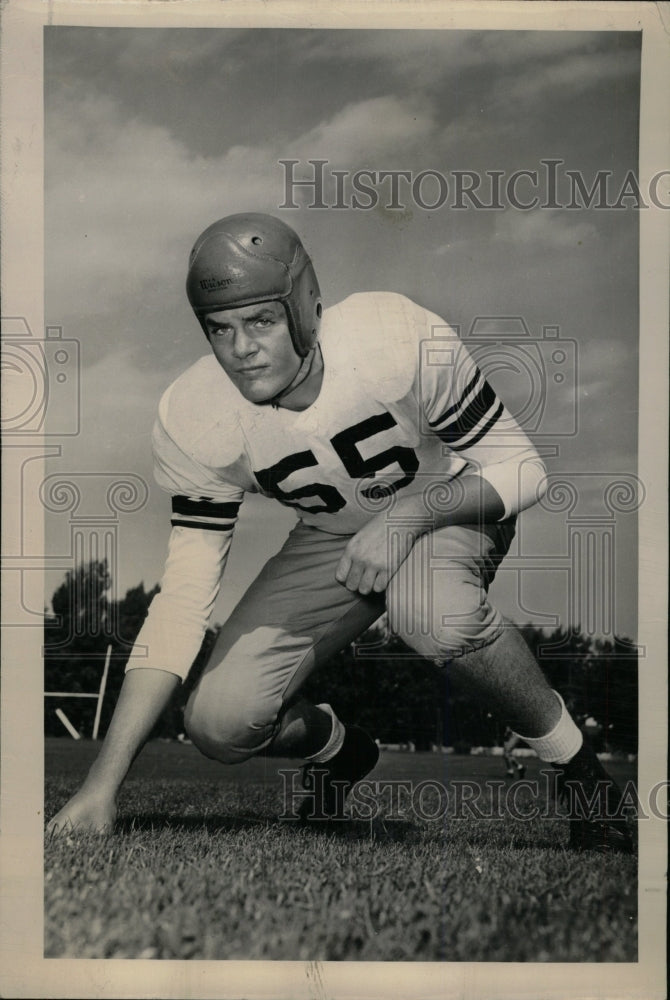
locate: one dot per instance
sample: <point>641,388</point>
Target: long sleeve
<point>204,514</point>
<point>174,628</point>
<point>463,410</point>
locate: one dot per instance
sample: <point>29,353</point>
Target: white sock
<point>562,743</point>
<point>334,744</point>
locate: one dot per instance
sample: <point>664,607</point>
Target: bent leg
<point>438,603</point>
<point>292,619</point>
<point>506,677</point>
<point>490,658</point>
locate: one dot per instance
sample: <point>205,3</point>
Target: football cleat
<point>594,805</point>
<point>329,783</point>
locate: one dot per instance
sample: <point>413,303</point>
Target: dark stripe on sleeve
<point>482,431</point>
<point>456,406</point>
<point>202,525</point>
<point>470,416</point>
<point>203,508</point>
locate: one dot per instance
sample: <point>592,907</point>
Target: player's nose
<point>244,344</point>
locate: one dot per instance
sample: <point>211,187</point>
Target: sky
<point>152,134</point>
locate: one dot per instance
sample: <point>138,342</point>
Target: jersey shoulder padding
<point>376,337</point>
<point>200,413</point>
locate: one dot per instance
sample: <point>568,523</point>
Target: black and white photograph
<point>334,357</point>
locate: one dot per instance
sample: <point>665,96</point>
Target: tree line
<point>378,683</point>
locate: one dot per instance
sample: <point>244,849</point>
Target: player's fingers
<point>367,581</point>
<point>381,583</point>
<point>343,567</point>
<point>353,579</point>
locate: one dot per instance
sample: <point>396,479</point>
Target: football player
<point>406,473</point>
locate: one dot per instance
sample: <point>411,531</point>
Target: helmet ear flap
<point>249,258</point>
<point>304,309</point>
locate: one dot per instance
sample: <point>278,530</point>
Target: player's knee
<point>451,634</point>
<point>229,729</point>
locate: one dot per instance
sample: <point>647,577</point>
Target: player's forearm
<point>468,500</point>
<point>172,633</point>
<point>144,695</point>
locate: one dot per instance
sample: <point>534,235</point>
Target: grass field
<point>200,867</point>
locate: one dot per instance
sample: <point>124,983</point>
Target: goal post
<point>99,695</point>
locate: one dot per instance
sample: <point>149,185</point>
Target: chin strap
<point>303,373</point>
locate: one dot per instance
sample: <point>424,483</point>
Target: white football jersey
<point>402,408</point>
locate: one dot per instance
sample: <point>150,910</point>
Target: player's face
<point>253,346</point>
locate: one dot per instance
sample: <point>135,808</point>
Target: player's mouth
<point>252,370</point>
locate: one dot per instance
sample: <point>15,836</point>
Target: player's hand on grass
<point>84,812</point>
<point>373,555</point>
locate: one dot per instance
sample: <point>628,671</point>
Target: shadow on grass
<point>396,831</point>
<point>390,831</point>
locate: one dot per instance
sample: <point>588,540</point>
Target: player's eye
<point>263,322</point>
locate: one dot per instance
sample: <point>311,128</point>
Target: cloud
<point>174,52</point>
<point>524,97</point>
<point>125,200</point>
<point>517,48</point>
<point>606,365</point>
<point>438,53</point>
<point>363,131</point>
<point>126,196</point>
<point>543,228</point>
<point>119,402</point>
<point>567,78</point>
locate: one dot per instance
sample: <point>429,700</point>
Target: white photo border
<point>25,971</point>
